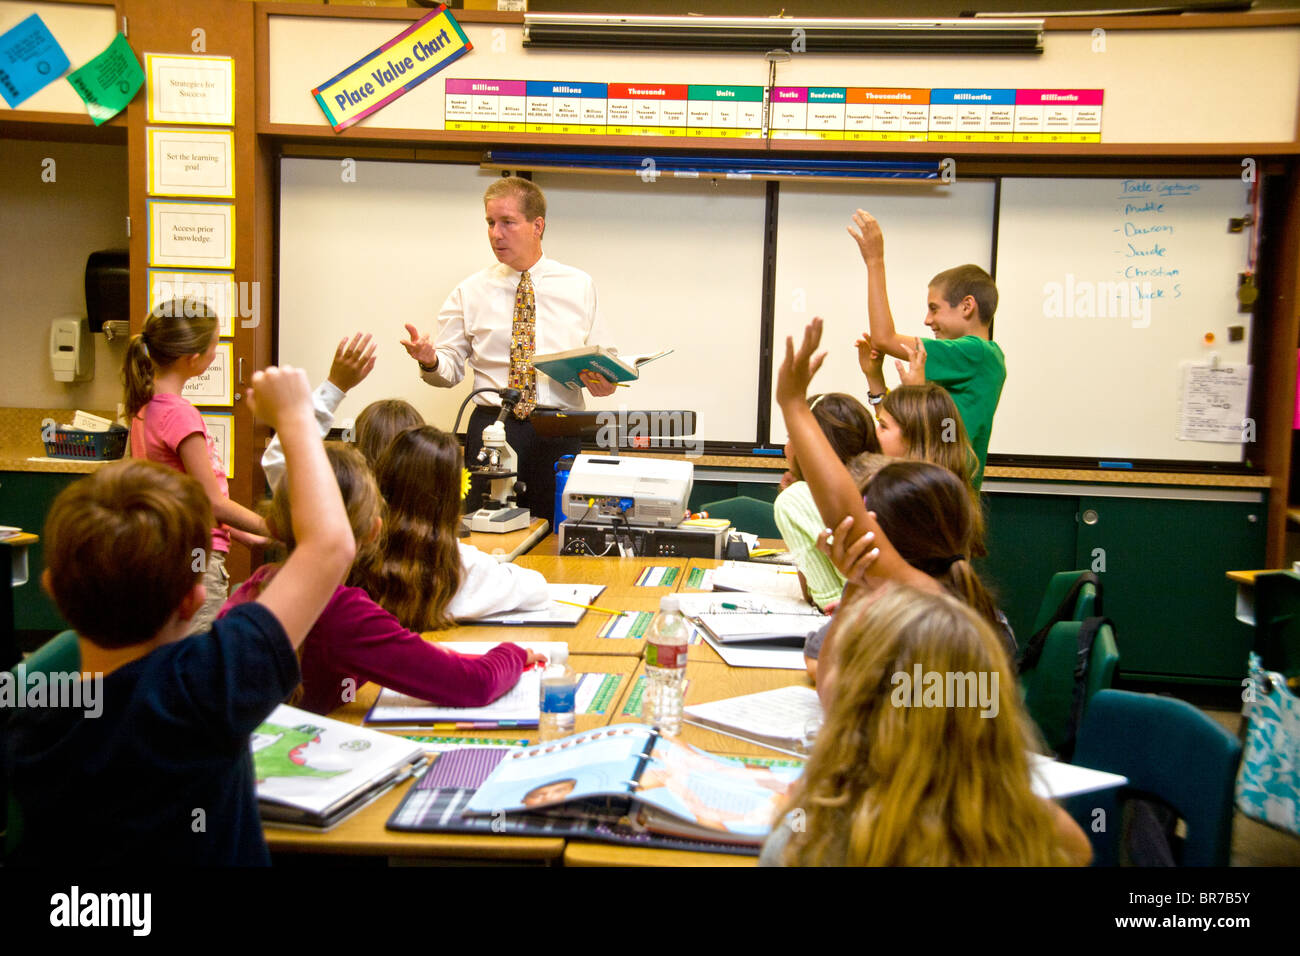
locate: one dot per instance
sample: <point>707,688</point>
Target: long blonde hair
<point>893,785</point>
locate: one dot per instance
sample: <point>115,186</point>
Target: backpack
<point>1064,612</point>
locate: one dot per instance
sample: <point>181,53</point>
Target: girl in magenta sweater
<point>355,640</point>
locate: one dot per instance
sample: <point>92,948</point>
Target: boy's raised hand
<point>870,240</point>
<point>913,373</point>
<point>278,393</point>
<point>353,361</point>
<point>798,369</point>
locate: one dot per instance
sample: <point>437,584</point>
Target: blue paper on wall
<point>30,59</point>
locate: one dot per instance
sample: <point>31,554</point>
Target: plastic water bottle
<point>665,667</point>
<point>557,699</point>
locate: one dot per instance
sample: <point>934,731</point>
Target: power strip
<point>609,541</point>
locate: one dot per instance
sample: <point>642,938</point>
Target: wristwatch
<point>872,399</point>
<point>428,368</point>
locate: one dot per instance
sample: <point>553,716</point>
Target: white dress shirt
<point>474,328</point>
<point>324,402</point>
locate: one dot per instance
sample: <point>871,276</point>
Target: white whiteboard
<point>1107,384</point>
<point>677,264</point>
<point>820,271</point>
<point>369,256</point>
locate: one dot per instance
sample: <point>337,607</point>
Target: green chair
<point>1085,605</point>
<point>747,514</point>
<point>1168,750</point>
<point>1049,688</point>
<point>60,653</point>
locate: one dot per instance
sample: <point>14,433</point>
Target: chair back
<point>747,514</point>
<point>1049,687</point>
<point>1172,751</point>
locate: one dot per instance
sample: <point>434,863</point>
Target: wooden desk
<point>710,682</point>
<point>364,833</point>
<point>14,573</point>
<point>512,544</point>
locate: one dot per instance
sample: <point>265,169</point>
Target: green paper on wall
<point>109,81</point>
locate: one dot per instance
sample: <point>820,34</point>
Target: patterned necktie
<point>522,346</point>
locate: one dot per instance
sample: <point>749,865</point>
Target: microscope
<point>498,462</point>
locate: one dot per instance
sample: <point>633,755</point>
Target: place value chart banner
<point>401,64</point>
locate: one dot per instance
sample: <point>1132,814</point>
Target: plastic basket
<point>80,445</point>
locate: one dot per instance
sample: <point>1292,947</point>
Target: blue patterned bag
<point>1268,784</point>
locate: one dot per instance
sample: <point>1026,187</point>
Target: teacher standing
<point>498,319</point>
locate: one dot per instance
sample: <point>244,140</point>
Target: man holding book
<point>498,319</point>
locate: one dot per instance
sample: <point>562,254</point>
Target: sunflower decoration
<point>464,483</point>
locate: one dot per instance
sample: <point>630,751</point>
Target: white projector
<point>650,492</point>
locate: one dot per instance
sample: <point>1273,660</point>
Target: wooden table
<point>709,682</point>
<point>507,547</point>
<point>364,833</point>
<point>708,678</point>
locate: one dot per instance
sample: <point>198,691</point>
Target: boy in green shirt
<point>963,358</point>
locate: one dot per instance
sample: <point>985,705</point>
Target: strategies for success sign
<point>404,62</point>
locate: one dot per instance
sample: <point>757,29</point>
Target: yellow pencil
<point>589,607</point>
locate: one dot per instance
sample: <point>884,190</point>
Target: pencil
<point>589,607</point>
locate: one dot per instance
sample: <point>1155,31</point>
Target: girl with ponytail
<point>178,343</point>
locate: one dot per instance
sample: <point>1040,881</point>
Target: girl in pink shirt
<point>355,640</point>
<point>177,344</point>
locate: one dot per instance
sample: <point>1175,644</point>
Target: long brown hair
<point>847,425</point>
<point>362,501</point>
<point>929,517</point>
<point>171,331</point>
<point>893,784</point>
<point>418,569</point>
<point>379,423</point>
<point>931,425</point>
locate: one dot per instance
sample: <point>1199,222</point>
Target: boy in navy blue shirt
<point>164,773</point>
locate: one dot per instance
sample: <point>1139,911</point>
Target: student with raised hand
<point>849,429</point>
<point>354,640</point>
<point>919,519</point>
<point>422,574</point>
<point>891,783</point>
<point>353,361</point>
<point>178,343</point>
<point>162,773</point>
<point>959,311</point>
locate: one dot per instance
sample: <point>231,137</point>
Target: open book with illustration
<point>657,784</point>
<point>565,367</point>
<point>315,771</point>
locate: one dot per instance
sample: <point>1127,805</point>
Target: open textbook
<point>565,367</point>
<point>657,784</point>
<point>315,771</point>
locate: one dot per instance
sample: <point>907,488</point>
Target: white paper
<point>760,579</point>
<point>190,89</point>
<point>197,234</point>
<point>785,713</point>
<point>555,613</point>
<point>1214,405</point>
<point>1051,778</point>
<point>187,163</point>
<point>215,386</point>
<point>751,655</point>
<point>521,702</point>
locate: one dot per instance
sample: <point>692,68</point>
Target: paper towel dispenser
<point>108,288</point>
